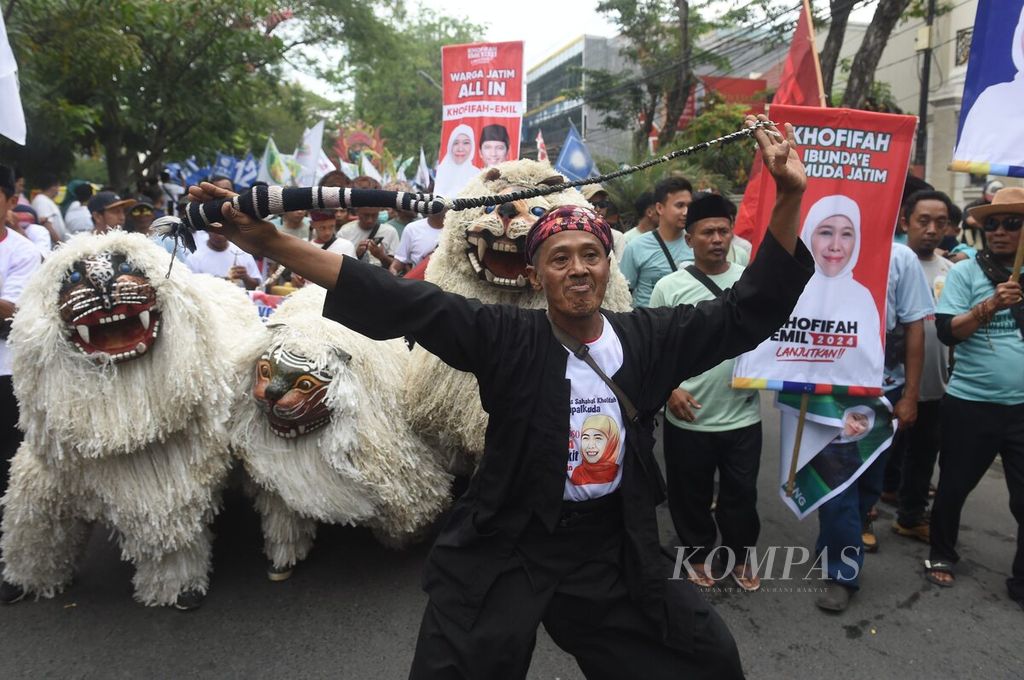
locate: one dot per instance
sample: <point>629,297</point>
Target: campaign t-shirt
<point>597,438</point>
<point>418,240</point>
<point>989,365</point>
<point>935,373</point>
<point>908,299</point>
<point>644,263</point>
<point>723,408</point>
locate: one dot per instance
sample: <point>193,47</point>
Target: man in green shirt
<point>708,425</point>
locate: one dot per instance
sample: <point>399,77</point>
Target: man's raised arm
<point>262,239</point>
<point>781,160</point>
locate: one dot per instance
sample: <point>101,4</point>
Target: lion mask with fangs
<point>323,436</point>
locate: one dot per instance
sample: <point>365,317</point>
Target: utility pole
<point>924,37</point>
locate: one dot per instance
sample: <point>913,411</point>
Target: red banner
<point>482,113</point>
<point>856,165</point>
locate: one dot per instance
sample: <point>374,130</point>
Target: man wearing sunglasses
<point>981,314</point>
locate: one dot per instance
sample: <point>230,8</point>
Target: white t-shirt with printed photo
<point>597,437</point>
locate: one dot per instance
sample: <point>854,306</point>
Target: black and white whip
<point>262,201</point>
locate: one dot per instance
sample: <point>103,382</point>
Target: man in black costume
<point>539,536</point>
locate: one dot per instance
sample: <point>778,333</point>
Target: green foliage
<point>729,163</point>
<point>390,78</point>
<point>624,190</point>
<point>144,81</point>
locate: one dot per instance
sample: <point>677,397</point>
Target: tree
<point>829,57</point>
<point>395,80</point>
<point>145,80</point>
<point>862,72</point>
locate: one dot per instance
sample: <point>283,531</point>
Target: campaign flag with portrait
<point>484,96</point>
<point>990,136</point>
<point>842,436</point>
<point>856,165</point>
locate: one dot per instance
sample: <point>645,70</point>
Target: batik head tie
<point>568,218</point>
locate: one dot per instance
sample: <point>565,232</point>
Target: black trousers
<point>918,463</point>
<point>975,433</point>
<point>10,435</point>
<point>572,582</point>
<point>691,459</point>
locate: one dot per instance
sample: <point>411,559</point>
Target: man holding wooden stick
<point>981,315</point>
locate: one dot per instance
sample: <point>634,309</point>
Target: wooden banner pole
<point>1019,260</point>
<point>791,482</point>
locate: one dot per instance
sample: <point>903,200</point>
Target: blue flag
<point>991,132</point>
<point>199,175</point>
<point>246,172</point>
<point>175,172</point>
<point>574,160</point>
<point>225,165</point>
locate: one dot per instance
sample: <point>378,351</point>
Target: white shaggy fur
<point>445,402</point>
<point>365,467</point>
<point>141,446</point>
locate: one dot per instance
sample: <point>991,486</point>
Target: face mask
<point>382,216</point>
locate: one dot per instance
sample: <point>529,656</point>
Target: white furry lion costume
<point>481,254</point>
<point>323,435</point>
<point>125,380</point>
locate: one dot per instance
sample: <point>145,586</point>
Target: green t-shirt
<point>989,365</point>
<point>723,408</point>
<point>644,264</point>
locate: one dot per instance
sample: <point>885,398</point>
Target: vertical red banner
<point>483,103</point>
<point>856,165</point>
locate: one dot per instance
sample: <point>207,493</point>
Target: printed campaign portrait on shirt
<point>990,137</point>
<point>482,111</point>
<point>833,341</point>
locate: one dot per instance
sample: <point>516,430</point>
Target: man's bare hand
<point>1007,295</point>
<point>682,405</point>
<point>252,236</point>
<point>905,412</point>
<point>780,156</point>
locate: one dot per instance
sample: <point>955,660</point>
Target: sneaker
<point>10,593</point>
<point>836,597</point>
<point>279,573</point>
<point>869,538</point>
<point>189,600</point>
<point>921,531</point>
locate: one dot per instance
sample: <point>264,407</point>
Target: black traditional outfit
<point>513,553</point>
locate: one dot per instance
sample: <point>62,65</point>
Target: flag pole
<point>791,482</point>
<point>1018,261</point>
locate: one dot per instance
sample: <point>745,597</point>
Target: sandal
<point>746,583</point>
<point>700,578</point>
<point>931,568</point>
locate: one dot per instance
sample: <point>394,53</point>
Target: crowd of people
<point>954,330</point>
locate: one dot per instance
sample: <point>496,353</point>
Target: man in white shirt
<point>46,209</point>
<point>78,219</point>
<point>18,260</point>
<point>28,226</point>
<point>366,231</point>
<point>419,239</point>
<point>227,261</point>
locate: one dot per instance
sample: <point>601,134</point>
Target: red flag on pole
<point>542,149</point>
<point>800,85</point>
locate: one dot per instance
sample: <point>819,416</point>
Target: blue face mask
<point>383,216</point>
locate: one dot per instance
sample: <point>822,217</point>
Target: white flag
<point>323,166</point>
<point>273,169</point>
<point>308,153</point>
<point>422,178</point>
<point>12,117</point>
<point>369,170</point>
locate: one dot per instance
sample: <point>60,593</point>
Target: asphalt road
<point>353,608</point>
